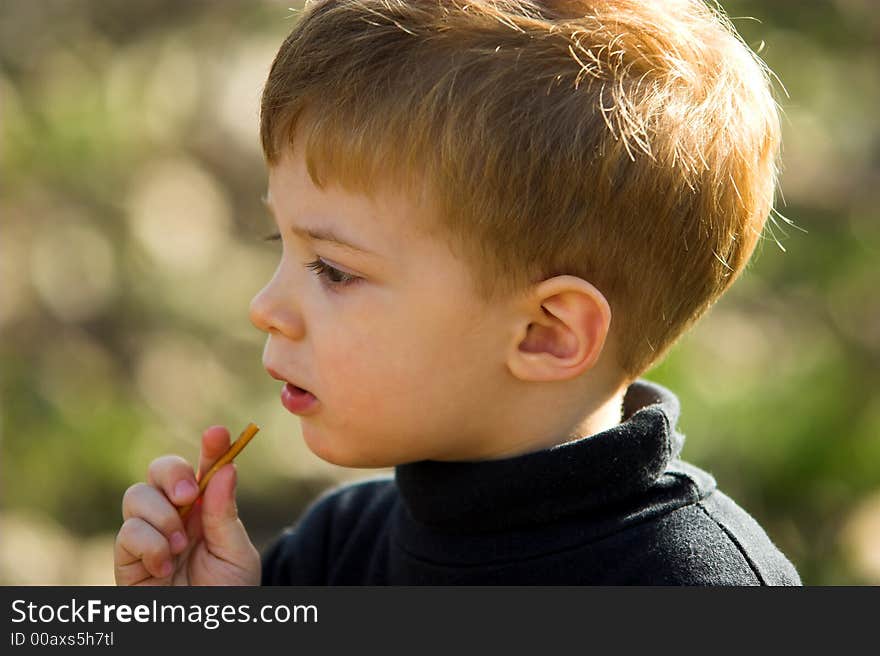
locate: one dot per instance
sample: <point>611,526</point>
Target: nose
<point>274,310</point>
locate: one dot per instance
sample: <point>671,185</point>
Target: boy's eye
<point>330,274</point>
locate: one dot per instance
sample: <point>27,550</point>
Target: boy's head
<point>621,150</point>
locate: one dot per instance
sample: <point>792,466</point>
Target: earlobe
<point>563,331</point>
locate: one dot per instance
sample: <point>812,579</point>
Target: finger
<point>138,541</point>
<point>224,534</point>
<point>215,442</point>
<point>133,574</point>
<point>150,504</point>
<point>174,476</point>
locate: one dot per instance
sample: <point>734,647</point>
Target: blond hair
<point>628,142</point>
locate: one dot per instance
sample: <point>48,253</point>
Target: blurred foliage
<point>130,245</point>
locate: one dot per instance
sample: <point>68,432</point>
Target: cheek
<point>381,372</point>
<point>387,362</point>
<point>353,365</point>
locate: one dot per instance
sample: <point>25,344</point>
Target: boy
<point>495,216</point>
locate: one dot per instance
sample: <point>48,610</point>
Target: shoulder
<point>301,554</point>
<point>711,541</point>
<point>744,535</point>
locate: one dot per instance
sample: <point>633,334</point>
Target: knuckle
<point>157,551</point>
<point>157,466</point>
<point>130,530</point>
<point>130,499</point>
<point>150,509</point>
<point>168,521</point>
<point>143,542</point>
<point>151,547</point>
<point>166,470</point>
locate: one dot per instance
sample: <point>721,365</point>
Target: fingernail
<point>185,489</point>
<point>178,542</point>
<point>167,568</point>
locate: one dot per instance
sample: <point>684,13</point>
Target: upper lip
<point>275,374</point>
<point>284,379</point>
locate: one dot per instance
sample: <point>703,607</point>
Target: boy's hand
<point>211,547</point>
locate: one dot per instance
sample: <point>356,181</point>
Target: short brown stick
<point>225,459</point>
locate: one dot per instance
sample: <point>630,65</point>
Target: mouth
<point>294,398</point>
<point>297,400</point>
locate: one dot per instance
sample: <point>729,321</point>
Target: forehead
<point>384,214</point>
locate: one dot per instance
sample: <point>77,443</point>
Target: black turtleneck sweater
<point>614,508</point>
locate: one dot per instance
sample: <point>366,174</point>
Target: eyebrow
<point>320,234</point>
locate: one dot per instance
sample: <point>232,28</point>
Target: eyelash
<point>325,271</point>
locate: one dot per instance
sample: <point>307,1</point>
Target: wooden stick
<point>234,449</point>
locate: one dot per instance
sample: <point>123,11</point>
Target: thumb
<point>222,531</point>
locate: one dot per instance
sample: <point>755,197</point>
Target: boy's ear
<point>562,330</point>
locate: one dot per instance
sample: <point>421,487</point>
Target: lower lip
<point>297,400</point>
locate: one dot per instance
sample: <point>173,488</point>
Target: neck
<point>607,415</point>
<point>552,418</point>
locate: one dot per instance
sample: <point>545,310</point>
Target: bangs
<point>344,149</point>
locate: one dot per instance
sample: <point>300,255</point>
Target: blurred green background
<point>130,245</point>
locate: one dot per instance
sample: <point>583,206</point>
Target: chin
<point>342,451</point>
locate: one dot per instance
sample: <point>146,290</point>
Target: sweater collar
<point>547,485</point>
